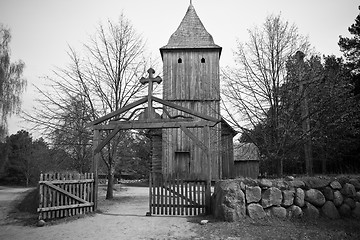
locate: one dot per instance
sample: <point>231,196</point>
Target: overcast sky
<point>42,29</point>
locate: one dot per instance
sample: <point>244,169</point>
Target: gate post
<point>208,179</point>
<point>96,157</point>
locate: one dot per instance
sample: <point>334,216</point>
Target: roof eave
<point>184,48</point>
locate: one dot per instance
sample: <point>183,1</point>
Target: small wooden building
<point>246,160</point>
<point>191,79</point>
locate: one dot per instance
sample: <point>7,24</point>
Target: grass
<point>281,229</point>
<point>24,209</point>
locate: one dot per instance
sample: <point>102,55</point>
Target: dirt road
<point>123,218</point>
<point>8,196</point>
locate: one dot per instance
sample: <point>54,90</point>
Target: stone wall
<point>287,198</point>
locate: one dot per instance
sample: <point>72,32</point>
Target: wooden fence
<point>63,195</point>
<point>177,197</point>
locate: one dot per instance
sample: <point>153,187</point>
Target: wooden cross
<point>150,81</point>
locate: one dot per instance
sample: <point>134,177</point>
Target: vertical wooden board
<point>158,199</point>
<point>161,203</point>
<point>47,195</point>
<point>187,197</point>
<point>51,195</point>
<point>86,209</point>
<point>75,186</point>
<point>41,195</point>
<point>91,191</point>
<point>52,203</point>
<point>80,192</point>
<point>57,197</point>
<point>193,193</point>
<point>178,202</point>
<point>71,201</point>
<point>182,194</point>
<point>168,187</point>
<point>153,195</point>
<point>151,185</point>
<point>203,195</point>
<point>87,191</point>
<point>68,200</point>
<point>165,197</point>
<point>62,214</point>
<point>174,196</point>
<point>170,195</point>
<point>198,197</point>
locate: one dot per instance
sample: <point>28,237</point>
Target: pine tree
<point>351,49</point>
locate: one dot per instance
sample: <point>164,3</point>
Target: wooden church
<point>191,144</point>
<point>191,80</point>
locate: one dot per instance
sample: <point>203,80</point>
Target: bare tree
<point>101,80</point>
<point>251,93</point>
<point>12,84</point>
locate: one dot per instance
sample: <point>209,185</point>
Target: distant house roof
<point>246,152</point>
<point>225,127</point>
<point>191,33</point>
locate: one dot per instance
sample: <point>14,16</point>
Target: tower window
<point>203,60</point>
<point>179,60</point>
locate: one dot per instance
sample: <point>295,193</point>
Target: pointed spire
<point>191,33</point>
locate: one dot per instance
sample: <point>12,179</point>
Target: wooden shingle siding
<point>191,79</point>
<point>246,169</point>
<point>174,140</point>
<point>227,155</point>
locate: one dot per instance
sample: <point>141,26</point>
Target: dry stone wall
<point>313,197</point>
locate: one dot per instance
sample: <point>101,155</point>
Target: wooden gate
<point>63,195</point>
<point>177,196</point>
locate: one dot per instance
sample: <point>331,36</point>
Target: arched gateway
<point>192,145</point>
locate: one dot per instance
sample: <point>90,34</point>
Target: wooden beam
<point>190,201</point>
<point>65,192</point>
<point>152,124</point>
<point>46,209</point>
<point>69,181</point>
<point>119,111</point>
<point>209,170</point>
<point>107,140</point>
<point>194,138</point>
<point>189,111</point>
<point>96,159</point>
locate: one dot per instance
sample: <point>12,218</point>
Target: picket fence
<point>65,194</point>
<point>177,197</point>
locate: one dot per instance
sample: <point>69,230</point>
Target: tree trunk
<point>110,186</point>
<point>323,163</point>
<point>281,167</point>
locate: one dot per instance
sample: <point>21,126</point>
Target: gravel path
<point>123,218</point>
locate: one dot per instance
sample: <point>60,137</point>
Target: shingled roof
<point>191,33</point>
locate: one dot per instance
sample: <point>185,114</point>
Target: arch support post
<point>95,162</point>
<point>208,180</point>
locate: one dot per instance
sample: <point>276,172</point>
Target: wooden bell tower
<point>191,80</point>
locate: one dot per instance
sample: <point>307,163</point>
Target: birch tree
<point>12,83</point>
